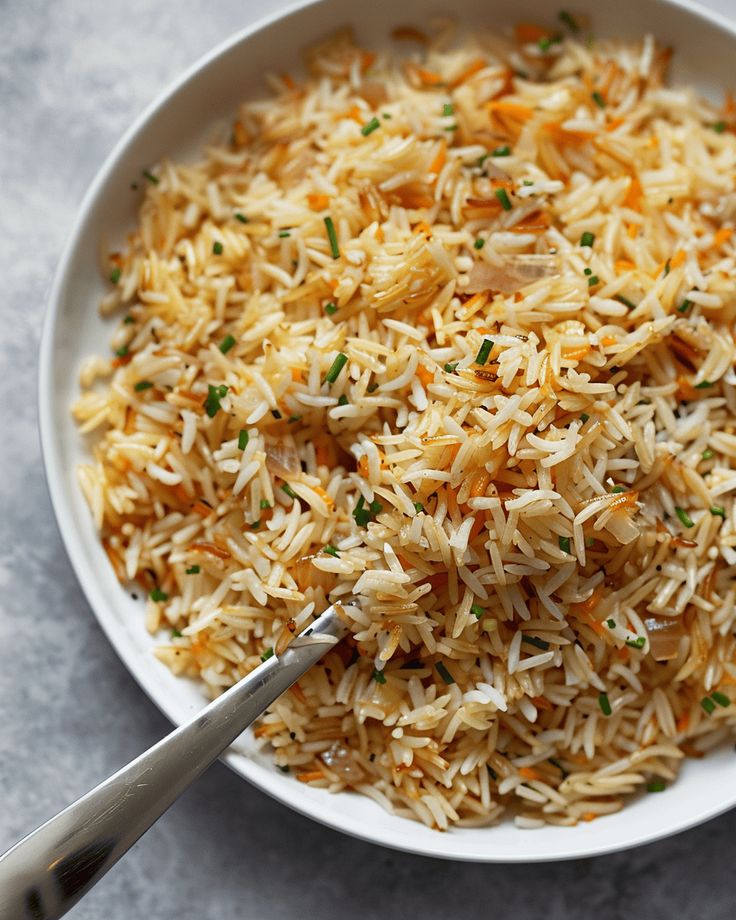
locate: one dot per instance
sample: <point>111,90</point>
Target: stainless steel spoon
<point>47,872</point>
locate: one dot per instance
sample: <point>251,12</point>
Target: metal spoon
<point>47,872</point>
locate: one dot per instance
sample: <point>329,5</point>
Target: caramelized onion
<point>514,274</point>
<point>339,759</point>
<point>282,458</point>
<point>664,636</point>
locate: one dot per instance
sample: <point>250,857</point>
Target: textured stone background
<point>73,74</point>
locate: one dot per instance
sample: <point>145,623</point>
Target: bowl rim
<point>266,780</point>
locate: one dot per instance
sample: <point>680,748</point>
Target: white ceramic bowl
<point>176,125</point>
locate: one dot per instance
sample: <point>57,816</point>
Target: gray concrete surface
<point>73,73</point>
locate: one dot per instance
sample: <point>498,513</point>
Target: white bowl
<point>176,125</point>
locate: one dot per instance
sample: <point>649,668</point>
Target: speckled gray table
<point>73,74</point>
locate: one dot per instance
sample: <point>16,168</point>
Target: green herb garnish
<point>158,595</point>
<point>703,385</point>
<point>214,395</point>
<point>719,127</point>
<point>503,197</point>
<point>337,365</point>
<point>451,368</point>
<point>448,109</point>
<point>217,248</point>
<point>720,698</point>
<point>241,217</point>
<point>226,344</point>
<point>684,517</point>
<point>477,610</point>
<point>611,624</point>
<point>192,570</point>
<point>267,654</point>
<point>537,643</point>
<point>379,676</point>
<point>418,507</point>
<point>587,239</point>
<point>154,180</point>
<point>330,309</point>
<point>142,385</point>
<point>484,351</point>
<point>479,243</point>
<point>370,126</point>
<point>264,503</point>
<point>285,487</point>
<point>243,439</point>
<point>584,417</point>
<point>444,673</point>
<point>122,352</point>
<point>718,511</point>
<point>639,642</point>
<point>625,301</point>
<point>684,306</point>
<point>593,280</point>
<point>567,19</point>
<point>605,704</point>
<point>708,704</point>
<point>656,786</point>
<point>115,275</point>
<point>501,151</point>
<point>707,454</point>
<point>598,99</point>
<point>330,550</point>
<point>332,237</point>
<point>564,543</point>
<point>283,234</point>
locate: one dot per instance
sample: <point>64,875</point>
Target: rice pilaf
<point>451,333</point>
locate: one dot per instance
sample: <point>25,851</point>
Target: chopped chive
<point>447,109</point>
<point>605,704</point>
<point>193,570</point>
<point>379,676</point>
<point>217,248</point>
<point>342,401</point>
<point>666,269</point>
<point>703,385</point>
<point>115,275</point>
<point>484,351</point>
<point>176,634</point>
<point>639,642</point>
<point>584,417</point>
<point>684,517</point>
<point>564,543</point>
<point>154,180</point>
<point>330,309</point>
<point>684,306</point>
<point>241,217</point>
<point>611,624</point>
<point>376,507</point>
<point>593,280</point>
<point>372,387</point>
<point>292,419</point>
<point>370,126</point>
<point>527,182</point>
<point>707,454</point>
<point>330,550</point>
<point>332,237</point>
<point>616,489</point>
<point>479,243</point>
<point>418,507</point>
<point>451,368</point>
<point>708,704</point>
<point>128,320</point>
<point>587,239</point>
<point>283,234</point>
<point>598,99</point>
<point>285,487</point>
<point>142,385</point>
<point>450,128</point>
<point>158,595</point>
<point>226,344</point>
<point>265,504</point>
<point>444,673</point>
<point>387,115</point>
<point>214,395</point>
<point>656,786</point>
<point>477,610</point>
<point>276,414</point>
<point>719,127</point>
<point>625,301</point>
<point>267,654</point>
<point>537,643</point>
<point>587,271</point>
<point>504,151</point>
<point>544,43</point>
<point>122,352</point>
<point>565,17</point>
<point>718,511</point>
<point>256,524</point>
<point>361,514</point>
<point>337,365</point>
<point>720,698</point>
<point>284,769</point>
<point>503,197</point>
<point>242,439</point>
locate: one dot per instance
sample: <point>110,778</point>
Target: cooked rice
<point>525,469</point>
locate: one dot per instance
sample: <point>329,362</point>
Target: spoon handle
<point>44,874</point>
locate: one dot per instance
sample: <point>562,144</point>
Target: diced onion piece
<point>664,636</point>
